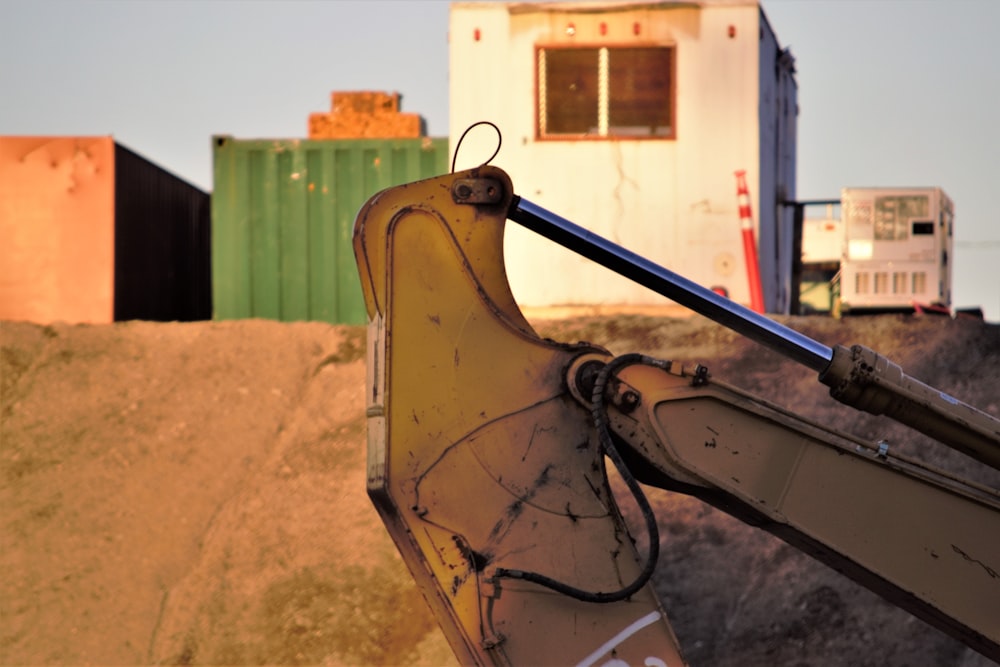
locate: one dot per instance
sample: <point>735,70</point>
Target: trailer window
<point>606,93</point>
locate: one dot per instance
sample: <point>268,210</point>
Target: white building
<point>631,119</point>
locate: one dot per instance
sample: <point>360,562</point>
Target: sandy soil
<point>194,494</point>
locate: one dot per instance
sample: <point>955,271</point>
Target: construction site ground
<point>194,493</point>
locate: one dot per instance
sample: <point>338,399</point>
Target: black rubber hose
<point>599,412</point>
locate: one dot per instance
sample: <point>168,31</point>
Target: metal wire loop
<point>454,157</point>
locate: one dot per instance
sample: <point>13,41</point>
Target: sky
<point>891,92</point>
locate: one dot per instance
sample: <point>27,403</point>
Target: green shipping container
<point>283,215</point>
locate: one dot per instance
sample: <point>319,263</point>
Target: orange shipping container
<point>91,232</point>
<point>57,229</point>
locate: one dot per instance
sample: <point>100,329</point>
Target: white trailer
<point>631,119</point>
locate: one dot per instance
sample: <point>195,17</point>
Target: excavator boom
<point>487,448</point>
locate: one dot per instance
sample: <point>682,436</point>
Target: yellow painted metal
<point>482,458</point>
<point>479,458</point>
<point>921,539</point>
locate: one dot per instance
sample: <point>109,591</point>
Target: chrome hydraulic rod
<point>701,300</point>
<point>858,377</point>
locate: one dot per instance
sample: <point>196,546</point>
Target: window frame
<point>603,98</point>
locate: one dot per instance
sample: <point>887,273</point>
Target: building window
<point>606,92</point>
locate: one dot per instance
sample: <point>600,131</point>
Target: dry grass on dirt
<point>194,494</point>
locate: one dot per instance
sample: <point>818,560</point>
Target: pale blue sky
<point>891,92</point>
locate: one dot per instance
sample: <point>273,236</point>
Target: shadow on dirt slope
<point>194,494</point>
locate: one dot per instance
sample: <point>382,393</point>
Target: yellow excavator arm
<point>487,448</point>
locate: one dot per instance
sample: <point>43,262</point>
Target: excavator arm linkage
<point>487,448</point>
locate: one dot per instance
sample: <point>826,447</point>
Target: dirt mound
<point>194,494</point>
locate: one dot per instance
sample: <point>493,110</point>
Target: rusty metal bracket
<point>476,191</point>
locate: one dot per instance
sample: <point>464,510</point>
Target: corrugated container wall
<point>162,244</point>
<point>283,215</point>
